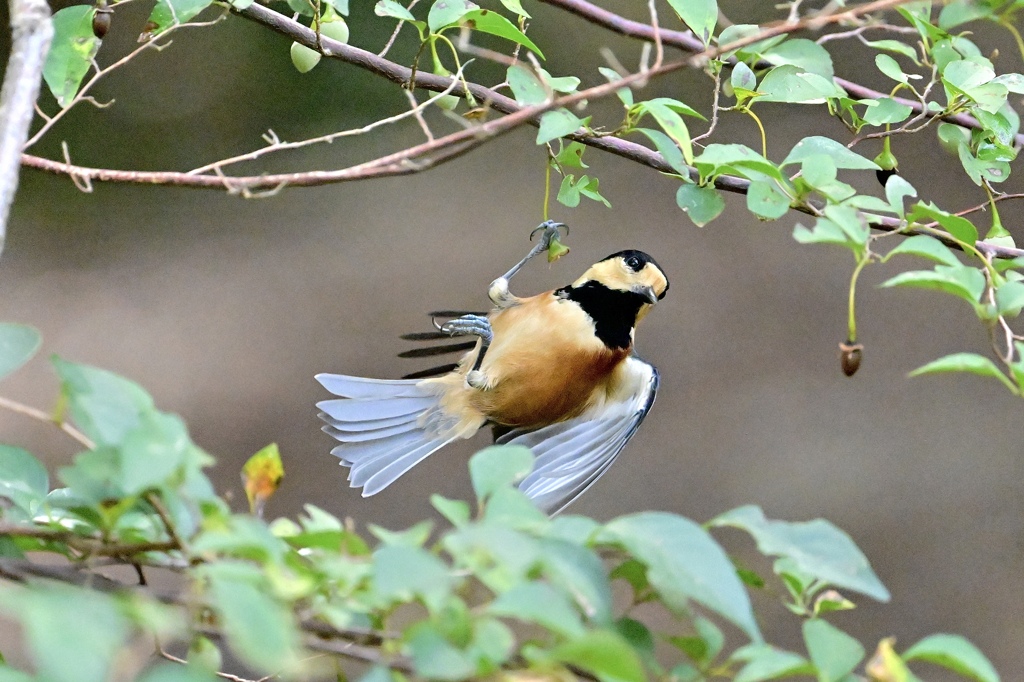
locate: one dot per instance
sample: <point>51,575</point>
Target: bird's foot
<point>549,231</point>
<point>469,325</point>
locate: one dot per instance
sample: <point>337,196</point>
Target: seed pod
<point>849,357</point>
<point>303,58</point>
<point>101,21</point>
<point>888,164</point>
<point>336,28</point>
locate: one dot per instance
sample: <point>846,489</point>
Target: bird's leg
<point>472,325</point>
<point>498,291</point>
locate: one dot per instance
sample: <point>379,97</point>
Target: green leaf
<point>816,547</point>
<point>22,478</point>
<point>743,78</point>
<point>168,13</point>
<point>806,54</point>
<point>434,657</point>
<point>834,653</point>
<point>766,200</point>
<point>580,573</point>
<point>516,7</point>
<point>539,603</point>
<point>71,52</point>
<point>891,68</point>
<point>526,87</point>
<point>105,406</point>
<point>604,654</point>
<point>172,672</point>
<point>512,508</point>
<point>978,169</point>
<point>788,83</point>
<point>394,9</point>
<point>736,158</point>
<point>457,512</point>
<point>447,12</point>
<point>1010,298</point>
<point>625,95</point>
<point>683,563</point>
<point>957,226</point>
<point>557,123</point>
<point>62,649</point>
<point>571,155</point>
<point>18,343</point>
<point>499,466</point>
<point>925,247</point>
<point>840,155</point>
<point>485,21</point>
<point>564,84</point>
<point>259,630</point>
<point>765,662</point>
<point>699,15</point>
<point>673,125</point>
<point>954,653</point>
<point>499,556</point>
<point>896,190</point>
<point>886,110</point>
<point>401,573</point>
<point>896,46</point>
<point>965,282</point>
<point>702,204</point>
<point>965,362</point>
<point>668,149</point>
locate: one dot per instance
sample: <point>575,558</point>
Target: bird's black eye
<point>634,263</point>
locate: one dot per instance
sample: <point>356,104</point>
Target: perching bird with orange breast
<point>555,372</point>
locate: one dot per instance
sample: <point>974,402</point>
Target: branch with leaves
<point>499,589</point>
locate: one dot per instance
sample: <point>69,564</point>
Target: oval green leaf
<point>18,343</point>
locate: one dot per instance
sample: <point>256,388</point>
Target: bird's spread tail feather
<point>383,426</point>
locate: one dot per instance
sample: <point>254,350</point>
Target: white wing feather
<point>573,454</point>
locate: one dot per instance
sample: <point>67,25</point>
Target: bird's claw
<point>549,230</point>
<point>469,325</point>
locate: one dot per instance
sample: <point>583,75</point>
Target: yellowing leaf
<point>261,475</point>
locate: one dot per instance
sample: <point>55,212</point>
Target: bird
<point>556,372</point>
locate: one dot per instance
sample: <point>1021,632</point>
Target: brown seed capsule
<point>849,357</point>
<point>101,21</point>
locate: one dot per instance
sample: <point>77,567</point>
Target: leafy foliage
<point>504,589</point>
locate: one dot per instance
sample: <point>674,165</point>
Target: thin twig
<point>224,676</point>
<point>165,518</point>
<point>276,145</point>
<point>394,34</point>
<point>38,414</point>
<point>83,92</point>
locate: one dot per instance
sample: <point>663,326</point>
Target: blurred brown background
<point>225,309</point>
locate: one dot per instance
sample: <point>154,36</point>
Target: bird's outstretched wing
<point>572,455</point>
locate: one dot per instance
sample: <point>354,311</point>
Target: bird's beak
<point>648,293</point>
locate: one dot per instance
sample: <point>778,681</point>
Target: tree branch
<point>31,32</point>
<point>686,41</point>
<point>434,152</point>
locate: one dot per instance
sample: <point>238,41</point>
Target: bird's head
<point>631,272</point>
